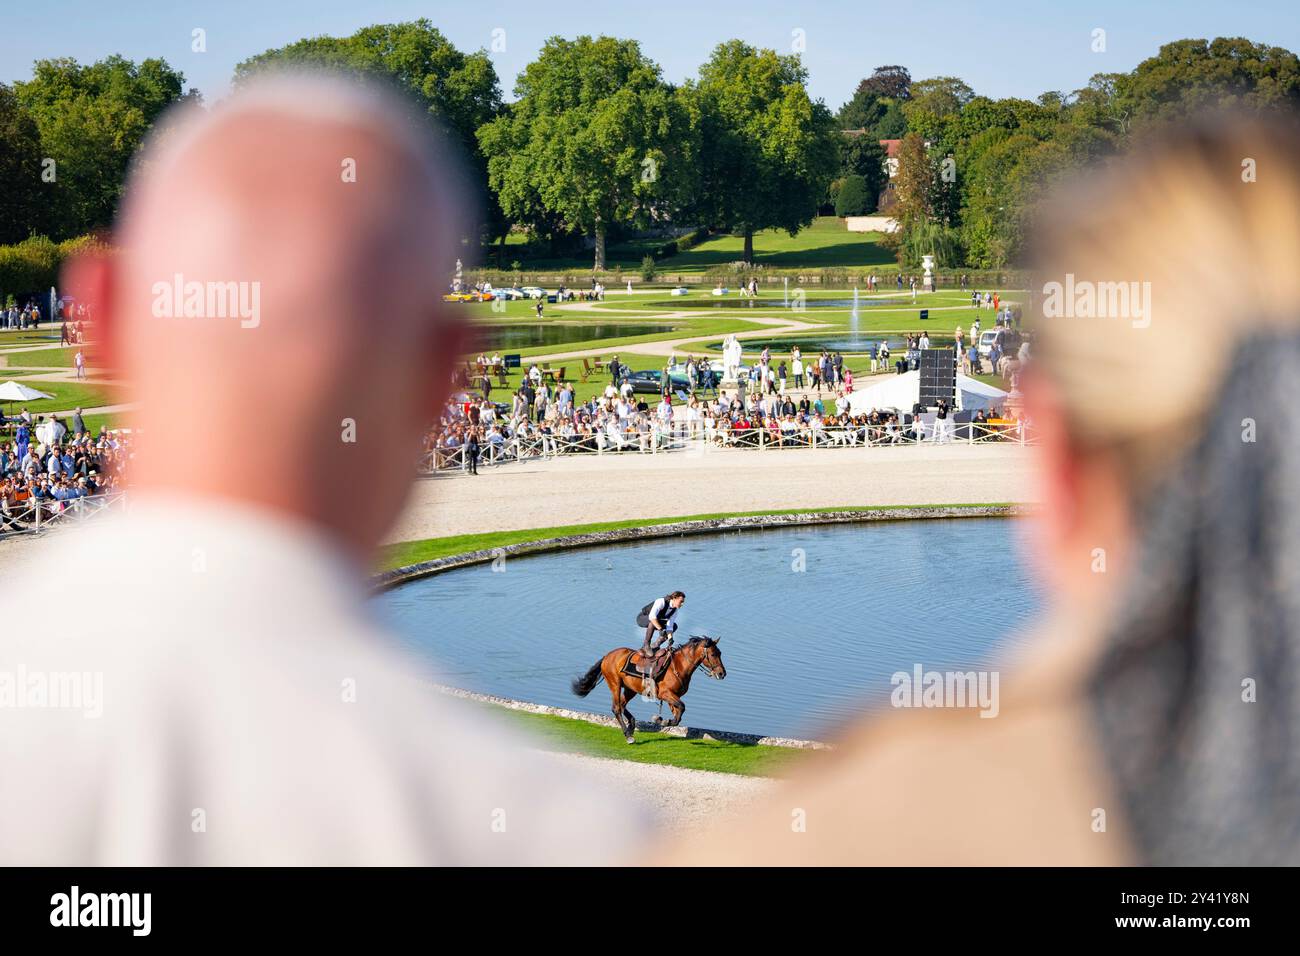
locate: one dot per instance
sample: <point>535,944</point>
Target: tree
<point>889,82</point>
<point>864,111</point>
<point>91,120</point>
<point>458,91</point>
<point>596,136</point>
<point>24,198</point>
<point>914,181</point>
<point>852,198</point>
<point>1192,76</point>
<point>935,104</point>
<point>768,150</point>
<point>879,116</point>
<point>864,157</point>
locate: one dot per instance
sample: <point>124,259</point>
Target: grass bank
<point>404,553</point>
<point>567,735</point>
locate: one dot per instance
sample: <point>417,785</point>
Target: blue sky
<point>999,48</point>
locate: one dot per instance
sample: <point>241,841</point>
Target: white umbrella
<point>18,392</point>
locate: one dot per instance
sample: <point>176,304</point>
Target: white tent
<point>901,392</point>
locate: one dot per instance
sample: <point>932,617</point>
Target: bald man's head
<point>275,303</point>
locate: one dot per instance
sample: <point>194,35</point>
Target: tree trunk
<point>749,247</point>
<point>600,247</point>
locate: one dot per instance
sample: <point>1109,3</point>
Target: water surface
<point>803,649</point>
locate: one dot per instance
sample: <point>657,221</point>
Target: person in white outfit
<point>237,701</point>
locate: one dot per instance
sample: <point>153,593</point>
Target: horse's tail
<point>582,686</point>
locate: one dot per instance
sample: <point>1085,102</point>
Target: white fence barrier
<point>33,516</point>
<point>705,435</point>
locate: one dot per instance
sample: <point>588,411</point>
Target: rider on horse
<point>657,616</point>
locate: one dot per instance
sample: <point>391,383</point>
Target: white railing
<point>33,516</point>
<point>704,435</point>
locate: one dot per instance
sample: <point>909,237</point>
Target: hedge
<point>33,265</point>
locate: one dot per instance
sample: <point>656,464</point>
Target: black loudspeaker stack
<point>938,377</point>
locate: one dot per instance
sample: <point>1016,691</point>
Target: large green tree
<point>24,198</point>
<point>1191,76</point>
<point>596,137</point>
<point>880,116</point>
<point>768,151</point>
<point>91,121</point>
<point>460,91</point>
<point>892,82</point>
<point>934,105</point>
<point>865,157</point>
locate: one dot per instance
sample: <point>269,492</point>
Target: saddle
<point>658,664</point>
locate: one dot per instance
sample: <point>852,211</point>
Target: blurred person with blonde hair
<point>1154,716</point>
<point>236,703</point>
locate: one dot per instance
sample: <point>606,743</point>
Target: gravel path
<point>589,488</point>
<point>681,799</point>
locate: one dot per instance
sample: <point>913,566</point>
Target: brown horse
<point>671,686</point>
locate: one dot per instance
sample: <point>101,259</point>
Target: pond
<point>803,649</point>
<point>506,337</point>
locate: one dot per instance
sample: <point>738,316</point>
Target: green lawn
<point>69,395</point>
<point>43,336</point>
<point>406,553</point>
<point>626,255</point>
<point>95,422</point>
<point>568,735</point>
<point>705,324</point>
<point>827,243</point>
<point>52,357</point>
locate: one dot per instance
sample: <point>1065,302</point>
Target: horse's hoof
<point>629,740</point>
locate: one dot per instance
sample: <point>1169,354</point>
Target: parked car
<point>532,292</point>
<point>468,297</point>
<point>510,295</point>
<point>1010,341</point>
<point>680,290</point>
<point>649,381</point>
<point>718,367</point>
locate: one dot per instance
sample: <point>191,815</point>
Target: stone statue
<point>731,356</point>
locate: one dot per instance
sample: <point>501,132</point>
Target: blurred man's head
<point>279,278</point>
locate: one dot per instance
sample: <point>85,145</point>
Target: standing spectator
<point>472,451</point>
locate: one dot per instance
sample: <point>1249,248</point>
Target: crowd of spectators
<point>777,402</point>
<point>47,467</point>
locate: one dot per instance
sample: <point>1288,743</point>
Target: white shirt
<point>227,639</point>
